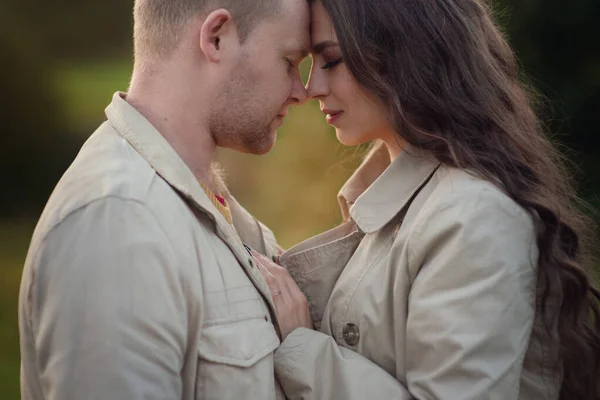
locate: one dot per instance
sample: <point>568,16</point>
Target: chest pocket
<point>236,361</point>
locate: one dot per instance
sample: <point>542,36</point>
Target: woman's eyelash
<point>332,64</point>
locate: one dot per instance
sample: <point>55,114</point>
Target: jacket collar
<point>155,149</point>
<point>380,189</point>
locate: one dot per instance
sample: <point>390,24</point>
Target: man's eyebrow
<point>299,54</point>
<point>319,47</point>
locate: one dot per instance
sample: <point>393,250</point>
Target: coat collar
<point>155,149</point>
<point>380,189</point>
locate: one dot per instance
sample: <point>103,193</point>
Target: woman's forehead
<point>320,23</point>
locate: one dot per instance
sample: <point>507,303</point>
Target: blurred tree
<point>557,44</point>
<point>34,147</point>
<point>74,29</point>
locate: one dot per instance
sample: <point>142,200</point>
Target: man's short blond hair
<point>159,24</point>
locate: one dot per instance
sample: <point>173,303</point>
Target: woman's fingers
<point>275,280</point>
<point>266,262</point>
<point>270,278</point>
<point>290,303</point>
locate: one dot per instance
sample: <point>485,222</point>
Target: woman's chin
<point>349,138</point>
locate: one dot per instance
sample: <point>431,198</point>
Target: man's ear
<point>217,32</point>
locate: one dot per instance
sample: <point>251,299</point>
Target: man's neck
<point>179,119</point>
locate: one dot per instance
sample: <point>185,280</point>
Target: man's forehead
<point>303,43</point>
<point>294,27</point>
<point>295,7</point>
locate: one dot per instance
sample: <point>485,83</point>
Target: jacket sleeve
<point>472,303</point>
<point>471,310</point>
<point>107,311</point>
<point>311,365</point>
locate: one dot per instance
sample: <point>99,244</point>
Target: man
<point>137,284</point>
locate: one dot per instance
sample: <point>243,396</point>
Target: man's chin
<point>259,147</point>
<point>263,149</point>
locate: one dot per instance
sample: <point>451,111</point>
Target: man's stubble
<point>239,120</point>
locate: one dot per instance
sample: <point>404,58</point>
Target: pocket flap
<point>240,343</point>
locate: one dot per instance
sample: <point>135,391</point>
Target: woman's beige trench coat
<point>426,292</point>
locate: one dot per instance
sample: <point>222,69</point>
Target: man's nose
<point>298,95</point>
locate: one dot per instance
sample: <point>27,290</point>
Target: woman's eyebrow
<point>319,47</point>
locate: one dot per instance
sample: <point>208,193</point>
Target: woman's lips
<point>332,116</point>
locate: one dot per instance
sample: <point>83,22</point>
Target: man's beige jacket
<point>135,286</point>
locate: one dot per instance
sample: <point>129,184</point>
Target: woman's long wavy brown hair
<point>454,87</point>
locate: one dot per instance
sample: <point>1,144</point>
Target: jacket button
<point>351,334</point>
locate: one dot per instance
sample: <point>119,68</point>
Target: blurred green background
<point>62,60</point>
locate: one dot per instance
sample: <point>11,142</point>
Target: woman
<point>459,272</point>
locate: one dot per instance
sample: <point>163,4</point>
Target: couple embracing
<point>459,271</point>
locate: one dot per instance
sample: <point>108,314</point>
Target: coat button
<point>351,334</point>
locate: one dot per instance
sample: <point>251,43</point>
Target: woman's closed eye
<point>331,64</point>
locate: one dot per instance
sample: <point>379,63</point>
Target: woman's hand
<point>291,305</point>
